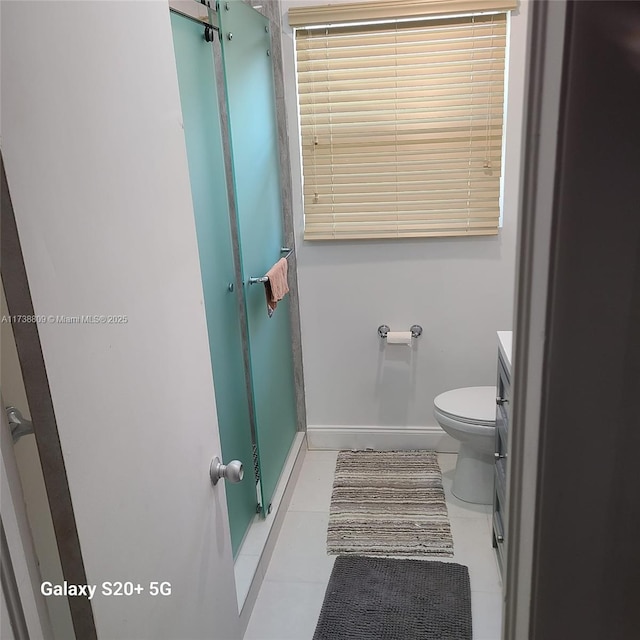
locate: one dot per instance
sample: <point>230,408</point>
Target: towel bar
<point>287,251</point>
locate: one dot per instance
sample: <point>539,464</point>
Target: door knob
<point>233,472</point>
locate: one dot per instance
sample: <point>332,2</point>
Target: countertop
<point>504,344</point>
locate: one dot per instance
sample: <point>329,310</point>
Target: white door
<point>96,164</point>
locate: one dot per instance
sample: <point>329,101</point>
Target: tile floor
<point>291,595</point>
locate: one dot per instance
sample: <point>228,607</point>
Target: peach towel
<point>277,286</point>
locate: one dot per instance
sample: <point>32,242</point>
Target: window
<point>401,121</point>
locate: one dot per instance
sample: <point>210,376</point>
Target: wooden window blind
<point>402,127</point>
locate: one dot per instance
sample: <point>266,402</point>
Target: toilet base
<point>473,478</point>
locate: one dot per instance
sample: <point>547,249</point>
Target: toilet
<point>469,415</point>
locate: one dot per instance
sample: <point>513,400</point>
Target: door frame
<point>23,603</point>
<point>27,338</point>
<point>560,487</point>
<point>535,237</point>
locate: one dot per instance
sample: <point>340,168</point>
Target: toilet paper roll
<point>399,337</point>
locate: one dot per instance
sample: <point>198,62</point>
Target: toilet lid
<point>475,405</point>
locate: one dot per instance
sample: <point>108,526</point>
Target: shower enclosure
<point>227,96</point>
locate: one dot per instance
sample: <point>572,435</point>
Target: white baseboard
<point>336,437</point>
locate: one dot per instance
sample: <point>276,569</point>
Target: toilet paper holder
<point>416,331</point>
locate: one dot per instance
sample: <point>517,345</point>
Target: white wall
<point>459,290</point>
<point>96,164</point>
<point>31,479</point>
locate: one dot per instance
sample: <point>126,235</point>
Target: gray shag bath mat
<point>389,503</point>
<point>395,599</point>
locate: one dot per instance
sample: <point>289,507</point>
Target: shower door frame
<point>270,11</point>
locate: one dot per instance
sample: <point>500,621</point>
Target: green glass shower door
<point>201,119</point>
<point>248,72</point>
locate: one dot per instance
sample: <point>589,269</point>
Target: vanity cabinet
<point>503,386</point>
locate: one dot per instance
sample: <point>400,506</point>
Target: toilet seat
<point>470,405</point>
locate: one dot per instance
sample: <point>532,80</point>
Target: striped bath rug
<point>389,503</point>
